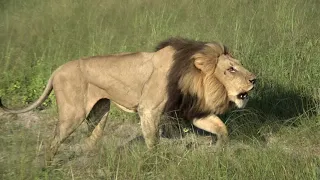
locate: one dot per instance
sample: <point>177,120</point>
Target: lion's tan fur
<point>139,82</point>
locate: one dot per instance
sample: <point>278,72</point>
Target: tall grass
<point>278,134</point>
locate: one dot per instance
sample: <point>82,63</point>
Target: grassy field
<point>276,137</point>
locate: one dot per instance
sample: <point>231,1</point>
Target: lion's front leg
<point>213,124</point>
<point>150,120</point>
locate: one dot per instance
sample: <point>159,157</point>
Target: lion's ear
<point>205,62</point>
<point>199,61</point>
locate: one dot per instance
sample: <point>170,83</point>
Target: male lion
<point>198,80</point>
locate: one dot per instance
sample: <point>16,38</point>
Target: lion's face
<point>237,80</point>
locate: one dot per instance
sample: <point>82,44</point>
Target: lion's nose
<point>253,81</point>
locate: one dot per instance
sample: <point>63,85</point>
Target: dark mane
<point>182,105</point>
<point>179,104</point>
<point>180,43</point>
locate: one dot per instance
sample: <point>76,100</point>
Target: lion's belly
<point>122,94</point>
<point>129,101</point>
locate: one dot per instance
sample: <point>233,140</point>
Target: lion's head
<point>237,80</point>
<point>204,79</point>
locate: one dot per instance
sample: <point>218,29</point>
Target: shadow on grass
<point>283,104</point>
<point>272,107</point>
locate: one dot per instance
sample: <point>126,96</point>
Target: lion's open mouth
<point>243,95</point>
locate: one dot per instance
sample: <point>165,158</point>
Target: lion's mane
<point>188,89</point>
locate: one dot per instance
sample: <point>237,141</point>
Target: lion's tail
<point>35,104</point>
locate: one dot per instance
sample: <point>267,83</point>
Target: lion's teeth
<point>243,96</point>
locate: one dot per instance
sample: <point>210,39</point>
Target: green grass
<point>275,137</point>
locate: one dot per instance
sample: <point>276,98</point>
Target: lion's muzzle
<point>245,95</point>
<point>253,81</point>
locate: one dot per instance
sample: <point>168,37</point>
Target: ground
<point>24,137</point>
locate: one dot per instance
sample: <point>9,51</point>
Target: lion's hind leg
<point>68,122</point>
<point>96,121</point>
<point>69,89</point>
<point>214,125</point>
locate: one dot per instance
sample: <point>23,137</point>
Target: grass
<point>275,137</point>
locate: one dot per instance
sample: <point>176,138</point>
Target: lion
<point>196,80</point>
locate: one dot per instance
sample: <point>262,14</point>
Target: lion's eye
<point>232,69</point>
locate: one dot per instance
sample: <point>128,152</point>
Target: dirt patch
<point>39,127</point>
